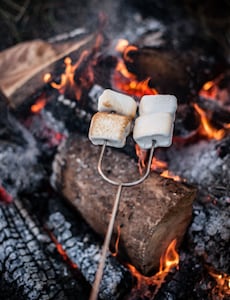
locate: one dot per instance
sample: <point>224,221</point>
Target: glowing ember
<point>47,77</point>
<point>38,105</point>
<point>168,261</point>
<point>208,85</point>
<point>61,251</point>
<point>222,288</point>
<point>217,90</point>
<point>168,174</point>
<point>206,128</point>
<point>209,90</point>
<point>4,196</point>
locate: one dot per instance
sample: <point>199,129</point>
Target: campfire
<point>171,234</point>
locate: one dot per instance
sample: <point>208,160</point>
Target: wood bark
<point>150,215</point>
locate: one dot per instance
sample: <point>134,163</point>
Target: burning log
<point>24,65</point>
<point>170,71</point>
<point>147,212</point>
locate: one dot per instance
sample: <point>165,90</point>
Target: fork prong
<point>105,247</point>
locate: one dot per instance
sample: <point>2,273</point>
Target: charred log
<point>30,266</point>
<point>172,71</point>
<point>83,248</point>
<point>19,155</point>
<point>146,213</point>
<point>33,266</point>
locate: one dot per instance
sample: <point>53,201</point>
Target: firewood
<point>24,65</point>
<point>172,70</point>
<point>150,215</point>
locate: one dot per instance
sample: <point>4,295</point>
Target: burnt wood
<point>27,77</point>
<point>174,71</point>
<point>32,268</point>
<point>150,215</point>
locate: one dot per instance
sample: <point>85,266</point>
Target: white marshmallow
<point>158,103</point>
<point>156,127</point>
<point>109,127</point>
<point>111,101</point>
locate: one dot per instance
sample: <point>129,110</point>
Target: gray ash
<point>81,246</point>
<point>206,164</point>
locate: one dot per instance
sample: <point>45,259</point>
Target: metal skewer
<point>105,247</point>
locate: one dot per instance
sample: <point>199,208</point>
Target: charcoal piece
<point>18,155</point>
<point>30,267</point>
<point>151,215</point>
<point>218,112</point>
<point>208,167</point>
<point>181,283</point>
<point>84,248</point>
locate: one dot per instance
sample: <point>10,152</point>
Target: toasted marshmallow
<point>111,101</point>
<point>158,103</point>
<point>110,128</point>
<point>156,127</point>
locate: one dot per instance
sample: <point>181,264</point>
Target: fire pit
<point>54,206</point>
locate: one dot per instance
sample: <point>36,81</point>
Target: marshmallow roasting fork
<point>111,125</point>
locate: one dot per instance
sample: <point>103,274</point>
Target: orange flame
<point>142,155</point>
<point>121,45</point>
<point>156,164</point>
<point>126,81</point>
<point>168,174</point>
<point>117,241</point>
<point>38,105</point>
<point>222,288</point>
<point>61,250</point>
<point>209,90</point>
<point>227,126</point>
<point>127,50</point>
<point>67,80</point>
<point>206,128</point>
<point>169,260</point>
